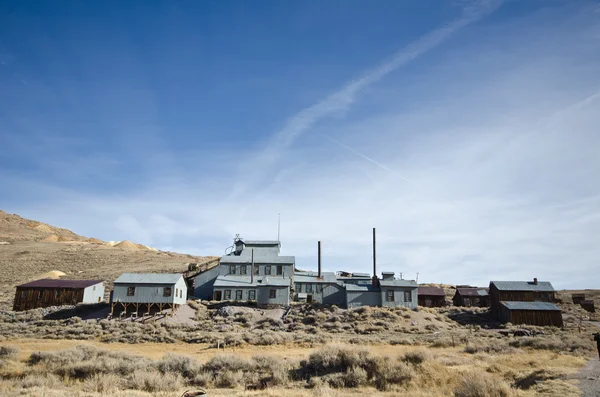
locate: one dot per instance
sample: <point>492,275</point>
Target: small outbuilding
<point>471,297</point>
<point>588,305</point>
<point>531,313</point>
<point>432,297</point>
<point>57,292</point>
<point>577,298</point>
<point>148,291</point>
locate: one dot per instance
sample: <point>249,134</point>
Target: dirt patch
<point>43,228</point>
<point>127,245</point>
<point>53,238</point>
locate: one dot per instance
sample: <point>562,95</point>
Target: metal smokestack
<point>319,258</point>
<point>374,259</point>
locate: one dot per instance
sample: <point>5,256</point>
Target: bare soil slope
<point>30,250</point>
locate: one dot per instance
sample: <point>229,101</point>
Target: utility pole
<point>417,277</point>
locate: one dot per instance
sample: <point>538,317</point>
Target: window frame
<point>309,288</point>
<point>408,296</point>
<point>389,295</point>
<point>244,269</point>
<point>252,295</point>
<point>231,269</point>
<point>267,270</point>
<point>239,294</point>
<point>272,293</point>
<point>279,270</point>
<point>227,295</point>
<point>167,292</point>
<point>256,270</point>
<point>130,291</point>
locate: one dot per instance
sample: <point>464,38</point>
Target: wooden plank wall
<point>31,298</point>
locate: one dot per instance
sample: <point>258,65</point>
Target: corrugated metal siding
<point>282,296</point>
<point>363,298</point>
<point>399,297</point>
<point>245,293</point>
<point>149,293</point>
<point>225,269</point>
<point>203,283</point>
<point>93,294</point>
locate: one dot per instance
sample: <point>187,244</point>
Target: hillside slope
<point>30,250</point>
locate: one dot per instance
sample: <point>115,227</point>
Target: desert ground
<point>225,349</point>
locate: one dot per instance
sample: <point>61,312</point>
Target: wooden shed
<point>577,298</point>
<point>519,291</point>
<point>472,297</point>
<point>57,292</point>
<point>531,313</point>
<point>431,297</point>
<point>588,305</point>
<point>143,292</point>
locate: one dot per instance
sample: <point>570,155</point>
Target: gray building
<point>387,292</point>
<point>146,291</point>
<point>309,287</point>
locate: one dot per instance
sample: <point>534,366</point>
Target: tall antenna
<point>417,277</point>
<point>278,225</point>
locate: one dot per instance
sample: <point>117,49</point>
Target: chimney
<point>374,260</point>
<point>535,281</point>
<point>319,258</point>
<point>252,268</point>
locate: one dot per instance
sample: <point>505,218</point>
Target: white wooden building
<point>147,291</point>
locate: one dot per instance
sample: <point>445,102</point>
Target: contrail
<point>369,159</point>
<point>344,97</point>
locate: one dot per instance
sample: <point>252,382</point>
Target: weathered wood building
<point>530,313</point>
<point>471,297</point>
<point>57,292</point>
<point>519,291</point>
<point>577,298</point>
<point>144,292</point>
<point>432,297</point>
<point>588,305</point>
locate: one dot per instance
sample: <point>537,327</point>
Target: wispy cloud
<point>341,100</point>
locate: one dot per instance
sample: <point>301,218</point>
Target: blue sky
<point>465,131</point>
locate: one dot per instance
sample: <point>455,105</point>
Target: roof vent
<point>535,282</point>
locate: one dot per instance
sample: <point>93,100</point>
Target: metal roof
<point>262,242</point>
<point>431,291</point>
<point>530,306</point>
<point>246,281</point>
<point>398,283</point>
<point>311,277</point>
<point>541,286</point>
<point>148,278</point>
<point>277,260</point>
<point>473,291</point>
<point>361,288</point>
<point>58,283</point>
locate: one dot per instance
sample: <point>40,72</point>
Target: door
<point>218,295</point>
<point>308,298</point>
<point>428,303</point>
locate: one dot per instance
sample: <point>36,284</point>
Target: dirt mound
<point>127,245</point>
<point>43,228</point>
<point>53,238</point>
<point>54,274</point>
<point>94,240</point>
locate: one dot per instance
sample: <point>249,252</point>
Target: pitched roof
<point>473,291</point>
<point>58,283</point>
<point>530,306</point>
<point>431,291</point>
<point>148,278</point>
<point>361,288</point>
<point>541,286</point>
<point>262,242</point>
<point>246,281</point>
<point>311,277</point>
<point>398,283</point>
<point>276,260</point>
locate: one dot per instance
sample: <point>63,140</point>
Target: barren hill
<point>30,250</point>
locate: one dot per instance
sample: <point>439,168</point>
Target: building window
<point>40,295</point>
<point>256,270</point>
<point>268,270</point>
<point>130,291</point>
<point>251,295</point>
<point>94,288</point>
<point>23,294</point>
<point>407,296</point>
<point>389,295</point>
<point>279,270</point>
<point>298,287</point>
<point>168,291</point>
<point>231,269</point>
<point>238,295</point>
<point>309,288</point>
<point>319,288</point>
<point>243,269</point>
<point>227,294</point>
<point>56,294</point>
<point>272,293</point>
